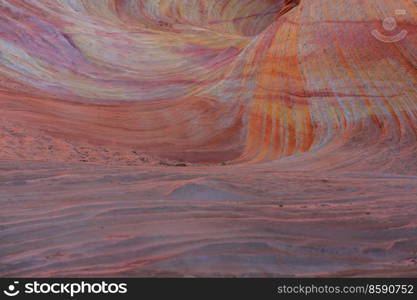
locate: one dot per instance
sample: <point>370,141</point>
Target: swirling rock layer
<point>207,138</point>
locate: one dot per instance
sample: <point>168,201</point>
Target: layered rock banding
<point>279,133</point>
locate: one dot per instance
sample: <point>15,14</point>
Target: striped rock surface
<point>208,138</point>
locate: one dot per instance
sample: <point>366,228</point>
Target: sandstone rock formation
<point>208,138</point>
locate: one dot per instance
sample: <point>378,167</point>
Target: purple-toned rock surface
<point>208,138</point>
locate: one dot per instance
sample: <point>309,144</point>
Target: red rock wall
<point>208,138</point>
